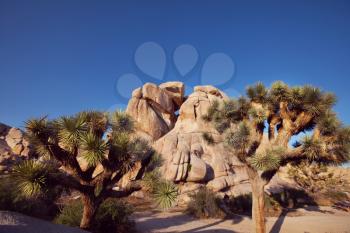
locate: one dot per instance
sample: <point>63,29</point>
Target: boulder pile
<point>174,124</point>
<point>13,147</point>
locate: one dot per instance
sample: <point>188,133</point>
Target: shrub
<point>293,198</point>
<point>151,180</point>
<point>165,194</point>
<point>112,216</point>
<point>204,204</point>
<point>242,204</point>
<point>42,206</point>
<point>70,214</point>
<point>336,196</point>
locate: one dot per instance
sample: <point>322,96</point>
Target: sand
<point>11,222</point>
<point>322,220</point>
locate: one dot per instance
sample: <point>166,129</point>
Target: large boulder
<point>14,147</point>
<point>188,158</point>
<point>153,108</point>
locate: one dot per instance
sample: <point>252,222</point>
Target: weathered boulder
<point>188,157</point>
<point>13,147</point>
<point>153,108</point>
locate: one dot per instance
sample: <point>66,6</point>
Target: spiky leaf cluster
<point>267,161</point>
<point>311,148</point>
<point>239,138</point>
<point>228,112</point>
<point>93,148</point>
<point>93,135</point>
<point>257,115</point>
<point>165,194</point>
<point>257,93</point>
<point>299,99</point>
<point>328,123</point>
<point>31,178</point>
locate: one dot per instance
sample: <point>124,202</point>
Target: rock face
<point>188,158</point>
<point>153,108</point>
<point>13,147</point>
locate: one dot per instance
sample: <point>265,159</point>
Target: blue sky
<point>61,57</point>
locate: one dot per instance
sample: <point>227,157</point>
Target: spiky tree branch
<point>285,111</point>
<point>96,139</point>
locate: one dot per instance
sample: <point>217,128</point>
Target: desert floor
<point>311,220</point>
<point>11,222</point>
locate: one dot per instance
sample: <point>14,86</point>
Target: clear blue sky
<point>60,57</point>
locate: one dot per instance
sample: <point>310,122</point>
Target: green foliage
<point>31,178</point>
<point>121,122</point>
<point>293,198</point>
<point>212,111</point>
<point>93,148</point>
<point>96,122</point>
<point>165,194</point>
<point>257,93</point>
<point>336,195</point>
<point>279,91</point>
<point>111,216</point>
<point>41,206</point>
<point>242,204</point>
<point>341,146</point>
<point>328,123</point>
<point>151,180</point>
<point>155,162</point>
<point>311,148</point>
<point>265,161</point>
<point>71,214</point>
<point>70,131</point>
<point>258,115</point>
<point>204,204</point>
<point>316,178</point>
<point>239,139</point>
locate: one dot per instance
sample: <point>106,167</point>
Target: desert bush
<point>162,191</point>
<point>316,177</point>
<point>293,198</point>
<point>205,204</point>
<point>242,204</point>
<point>151,180</point>
<point>335,195</point>
<point>70,214</point>
<point>112,216</point>
<point>41,206</point>
<point>165,194</point>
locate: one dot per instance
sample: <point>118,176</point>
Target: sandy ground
<point>11,222</point>
<point>321,220</point>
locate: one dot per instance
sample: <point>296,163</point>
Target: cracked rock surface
<point>188,158</point>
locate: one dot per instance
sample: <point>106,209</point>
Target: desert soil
<point>312,220</point>
<point>11,222</point>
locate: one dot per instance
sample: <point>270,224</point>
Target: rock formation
<point>188,159</point>
<point>153,108</point>
<point>13,146</point>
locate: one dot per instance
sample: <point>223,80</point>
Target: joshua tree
<point>258,129</point>
<point>92,138</point>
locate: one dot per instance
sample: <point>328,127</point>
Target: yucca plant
<point>92,138</point>
<point>165,194</point>
<point>285,112</point>
<point>31,178</point>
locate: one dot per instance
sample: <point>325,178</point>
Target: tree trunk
<point>258,209</point>
<point>90,207</point>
